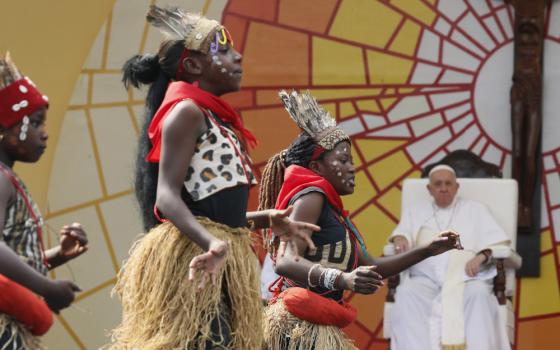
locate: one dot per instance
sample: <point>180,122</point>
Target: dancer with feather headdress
<point>308,308</point>
<point>193,174</point>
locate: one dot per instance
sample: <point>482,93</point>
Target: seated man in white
<point>447,301</point>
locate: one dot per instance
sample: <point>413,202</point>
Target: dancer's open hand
<point>363,280</point>
<point>286,229</point>
<point>208,263</point>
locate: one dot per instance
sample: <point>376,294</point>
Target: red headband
<point>181,67</point>
<point>18,100</point>
<point>317,152</point>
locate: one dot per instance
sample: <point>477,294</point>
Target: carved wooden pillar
<point>526,121</point>
<point>526,101</point>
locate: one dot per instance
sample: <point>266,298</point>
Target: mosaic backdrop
<point>410,80</point>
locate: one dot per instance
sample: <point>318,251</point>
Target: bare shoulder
<point>185,114</point>
<point>7,190</point>
<point>311,199</point>
<point>309,206</point>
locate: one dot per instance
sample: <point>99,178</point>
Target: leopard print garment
<point>215,164</point>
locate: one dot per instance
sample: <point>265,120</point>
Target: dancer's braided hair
<point>299,153</point>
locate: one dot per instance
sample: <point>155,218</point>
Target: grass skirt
<point>18,335</point>
<point>284,331</point>
<point>163,310</point>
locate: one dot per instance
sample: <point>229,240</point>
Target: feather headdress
<point>312,118</point>
<point>176,24</point>
<point>9,73</point>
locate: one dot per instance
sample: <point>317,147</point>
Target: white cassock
<point>438,306</point>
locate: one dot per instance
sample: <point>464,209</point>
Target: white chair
<point>500,196</point>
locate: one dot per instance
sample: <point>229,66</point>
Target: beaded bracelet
<point>331,276</point>
<point>309,283</point>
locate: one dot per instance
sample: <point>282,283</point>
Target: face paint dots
<point>24,128</point>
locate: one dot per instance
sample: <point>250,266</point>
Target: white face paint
<point>223,70</point>
<point>337,152</point>
<point>214,58</point>
<point>334,163</point>
<point>339,174</point>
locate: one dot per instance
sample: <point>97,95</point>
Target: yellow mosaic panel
<point>373,149</point>
<point>546,241</point>
<point>375,227</point>
<point>407,39</point>
<point>391,201</point>
<point>327,67</point>
<point>541,295</point>
<point>388,69</point>
<point>362,14</point>
<point>389,169</point>
<point>347,110</point>
<point>368,105</point>
<point>417,10</point>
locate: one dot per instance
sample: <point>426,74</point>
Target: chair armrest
<point>512,260</point>
<point>389,249</point>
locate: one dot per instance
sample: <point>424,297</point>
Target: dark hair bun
<point>140,70</point>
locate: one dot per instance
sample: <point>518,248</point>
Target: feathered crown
<point>176,24</point>
<point>312,118</point>
<point>9,73</point>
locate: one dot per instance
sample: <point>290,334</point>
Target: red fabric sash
<point>24,306</point>
<point>309,306</point>
<point>178,91</point>
<point>297,178</point>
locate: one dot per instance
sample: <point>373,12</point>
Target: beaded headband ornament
<point>193,28</point>
<point>19,96</point>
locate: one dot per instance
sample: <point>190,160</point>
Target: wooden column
<point>526,121</point>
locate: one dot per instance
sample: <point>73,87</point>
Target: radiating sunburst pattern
<point>410,81</point>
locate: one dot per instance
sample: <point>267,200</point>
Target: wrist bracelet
<point>331,275</point>
<point>337,281</point>
<point>309,283</point>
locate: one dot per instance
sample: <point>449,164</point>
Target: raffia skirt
<point>163,310</point>
<point>14,336</point>
<point>284,331</point>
